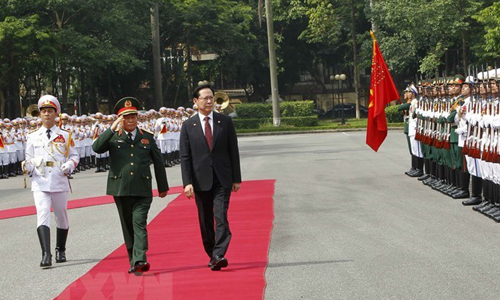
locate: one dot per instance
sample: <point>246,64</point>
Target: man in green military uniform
<point>131,152</point>
<point>461,178</point>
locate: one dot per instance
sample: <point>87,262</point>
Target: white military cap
<point>49,101</point>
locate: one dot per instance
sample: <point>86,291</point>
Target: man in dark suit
<point>210,165</point>
<point>131,151</point>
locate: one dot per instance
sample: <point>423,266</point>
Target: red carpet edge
<point>179,264</point>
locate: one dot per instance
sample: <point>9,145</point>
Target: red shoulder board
<point>59,139</point>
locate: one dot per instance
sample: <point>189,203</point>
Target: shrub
<point>393,115</point>
<point>296,108</point>
<point>292,121</point>
<point>265,110</point>
<point>254,110</point>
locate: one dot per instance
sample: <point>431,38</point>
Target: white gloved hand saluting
<point>68,167</point>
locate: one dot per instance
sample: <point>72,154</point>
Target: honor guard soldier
<point>50,157</point>
<point>97,129</point>
<point>162,127</point>
<point>131,152</point>
<point>4,154</point>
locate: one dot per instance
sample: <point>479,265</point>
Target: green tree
<point>490,18</point>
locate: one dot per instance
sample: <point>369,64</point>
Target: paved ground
<point>348,225</point>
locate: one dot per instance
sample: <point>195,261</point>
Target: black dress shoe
<point>461,194</point>
<point>417,173</point>
<point>481,205</point>
<point>218,263</point>
<point>411,171</point>
<point>424,177</point>
<point>473,201</point>
<point>211,263</point>
<point>140,267</point>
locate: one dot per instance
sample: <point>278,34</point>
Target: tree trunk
<point>64,86</point>
<point>355,59</point>
<point>2,104</point>
<point>464,51</point>
<point>155,32</point>
<point>189,82</point>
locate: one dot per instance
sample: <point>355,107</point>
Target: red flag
<point>382,91</point>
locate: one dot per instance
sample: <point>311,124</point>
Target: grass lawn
<point>323,124</point>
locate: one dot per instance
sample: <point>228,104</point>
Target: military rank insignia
<point>145,141</point>
<point>59,139</point>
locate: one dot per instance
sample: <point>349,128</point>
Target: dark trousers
<point>133,213</point>
<point>213,205</point>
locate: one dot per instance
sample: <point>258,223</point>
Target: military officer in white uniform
<point>50,158</point>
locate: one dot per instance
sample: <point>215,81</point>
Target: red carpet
<point>178,262</point>
<point>31,210</point>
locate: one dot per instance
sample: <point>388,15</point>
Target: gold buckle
<point>49,163</point>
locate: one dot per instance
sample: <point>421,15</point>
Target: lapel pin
<point>194,124</point>
<point>218,122</point>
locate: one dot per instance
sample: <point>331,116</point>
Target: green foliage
<point>296,108</point>
<point>490,18</point>
<point>393,115</point>
<point>254,110</point>
<point>287,109</point>
<point>306,121</point>
<point>420,32</point>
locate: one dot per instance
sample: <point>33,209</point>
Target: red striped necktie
<point>208,132</point>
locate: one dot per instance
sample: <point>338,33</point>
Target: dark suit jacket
<point>129,173</point>
<point>199,163</point>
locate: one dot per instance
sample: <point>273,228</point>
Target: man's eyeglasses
<point>206,98</point>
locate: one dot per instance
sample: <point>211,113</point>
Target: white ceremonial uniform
<point>45,160</point>
<point>163,138</point>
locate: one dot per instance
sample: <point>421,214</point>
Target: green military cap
<point>459,79</point>
<point>127,106</point>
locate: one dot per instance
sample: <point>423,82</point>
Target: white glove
<point>68,167</point>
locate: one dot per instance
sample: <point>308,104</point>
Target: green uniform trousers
<point>457,156</point>
<point>133,213</point>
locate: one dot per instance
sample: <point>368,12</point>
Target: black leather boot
<point>62,236</point>
<point>419,167</point>
<point>44,237</point>
<point>477,187</point>
<point>426,164</point>
<point>12,172</point>
<point>486,198</point>
<point>19,169</point>
<point>413,169</point>
<point>169,160</point>
<point>463,181</point>
<point>3,174</point>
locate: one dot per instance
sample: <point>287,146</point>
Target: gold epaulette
<point>32,131</point>
<point>150,132</point>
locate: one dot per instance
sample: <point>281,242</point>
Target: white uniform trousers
<point>163,146</point>
<point>4,158</point>
<point>474,166</point>
<point>416,147</point>
<point>58,201</point>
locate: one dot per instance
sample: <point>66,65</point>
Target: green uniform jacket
<point>129,173</point>
<point>405,107</point>
<point>453,134</point>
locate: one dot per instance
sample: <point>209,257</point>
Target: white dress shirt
<point>211,121</point>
